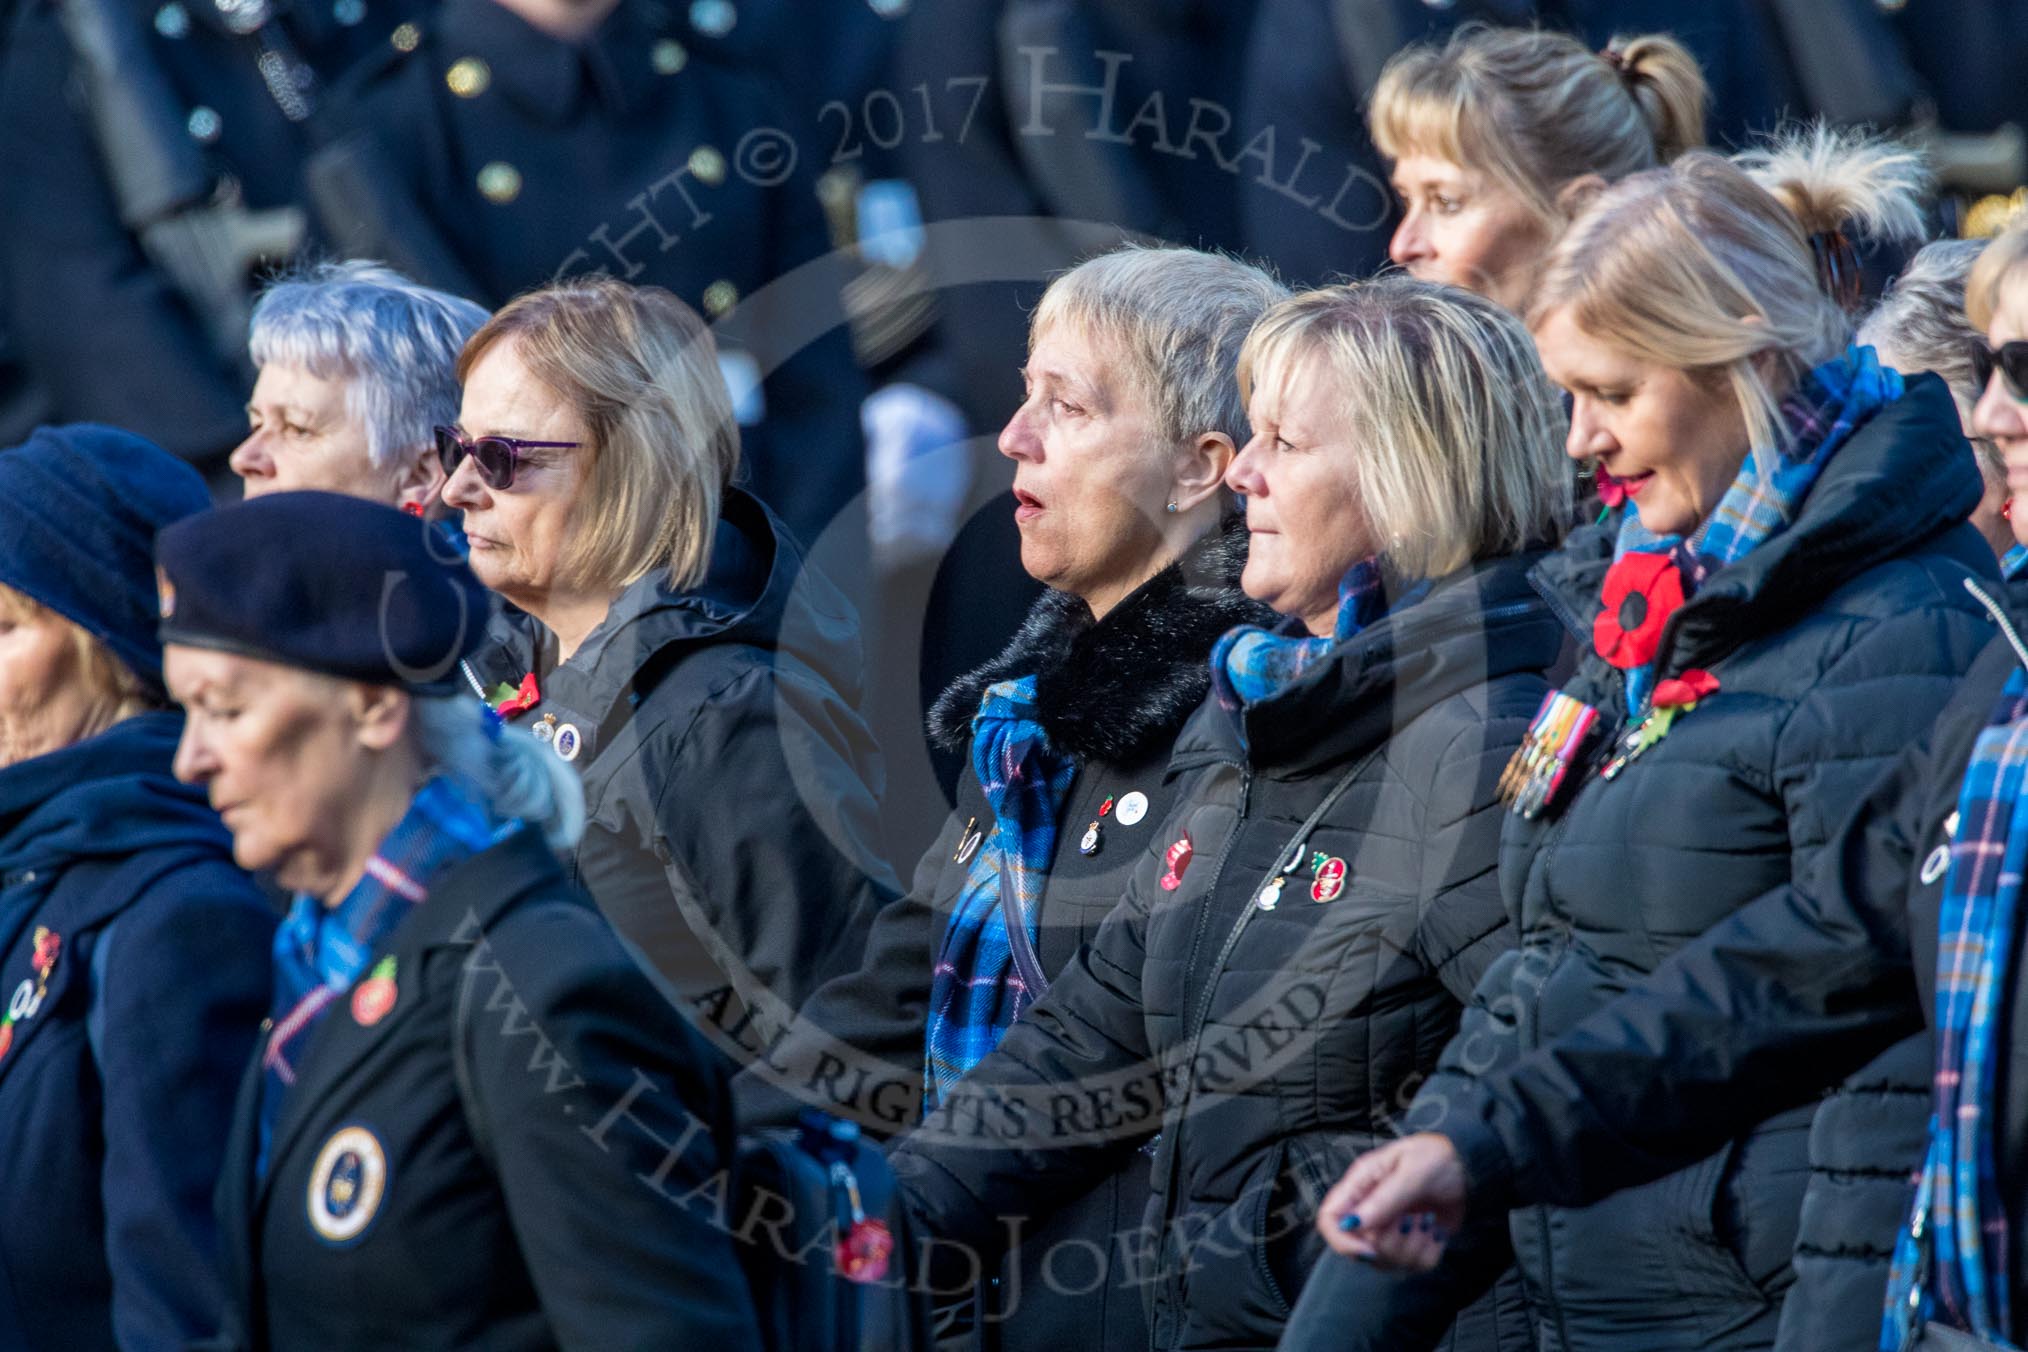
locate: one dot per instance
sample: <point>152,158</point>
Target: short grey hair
<point>393,341</point>
<point>1921,325</point>
<point>1179,317</point>
<point>506,769</point>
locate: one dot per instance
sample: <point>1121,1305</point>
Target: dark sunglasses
<point>2010,359</point>
<point>497,458</point>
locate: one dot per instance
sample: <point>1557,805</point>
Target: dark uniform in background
<point>211,103</point>
<point>643,152</point>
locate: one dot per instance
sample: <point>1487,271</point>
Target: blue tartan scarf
<point>320,951</point>
<point>1250,664</point>
<point>1952,1253</point>
<point>976,989</point>
<point>1819,415</point>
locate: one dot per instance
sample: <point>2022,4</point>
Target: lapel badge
<point>28,996</point>
<point>373,997</point>
<point>1177,857</point>
<point>1270,896</point>
<point>1132,808</point>
<point>1329,880</point>
<point>544,728</point>
<point>1939,860</point>
<point>968,842</point>
<point>1090,843</point>
<point>347,1184</point>
<point>568,743</point>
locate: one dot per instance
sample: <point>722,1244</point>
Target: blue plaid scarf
<point>1952,1253</point>
<point>1250,664</point>
<point>320,951</point>
<point>1819,414</point>
<point>976,990</point>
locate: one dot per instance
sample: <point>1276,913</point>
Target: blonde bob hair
<point>1708,265</point>
<point>1460,432</point>
<point>114,691</point>
<point>641,371</point>
<point>1538,110</point>
<point>1999,265</point>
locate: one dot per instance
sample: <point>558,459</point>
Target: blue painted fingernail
<point>1349,1221</point>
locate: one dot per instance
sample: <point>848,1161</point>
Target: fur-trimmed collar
<point>1114,690</point>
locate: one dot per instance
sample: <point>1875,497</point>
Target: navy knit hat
<point>323,582</point>
<point>79,509</point>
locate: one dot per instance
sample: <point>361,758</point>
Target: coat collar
<point>1903,480</point>
<point>1477,624</point>
<point>1115,690</point>
<point>757,590</point>
<point>550,79</point>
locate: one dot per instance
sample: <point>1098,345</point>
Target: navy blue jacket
<point>117,1085</point>
<point>1836,642</point>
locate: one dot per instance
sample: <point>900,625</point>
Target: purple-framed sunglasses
<point>497,458</point>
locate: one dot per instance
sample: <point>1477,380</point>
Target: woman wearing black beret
<point>471,1117</point>
<point>133,955</point>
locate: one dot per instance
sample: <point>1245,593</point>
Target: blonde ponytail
<point>1668,86</point>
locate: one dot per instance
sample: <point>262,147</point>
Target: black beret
<point>325,582</point>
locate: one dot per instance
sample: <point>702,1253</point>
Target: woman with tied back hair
<point>1488,132</point>
<point>1780,611</point>
<point>1300,930</point>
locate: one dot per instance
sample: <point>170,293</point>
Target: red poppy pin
<point>509,700</point>
<point>1177,857</point>
<point>1683,692</point>
<point>1641,592</point>
<point>863,1253</point>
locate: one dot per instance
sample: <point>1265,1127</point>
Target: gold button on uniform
<point>708,165</point>
<point>405,37</point>
<point>468,77</point>
<point>499,183</point>
<point>719,297</point>
<point>668,56</point>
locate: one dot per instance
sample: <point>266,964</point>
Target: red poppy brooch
<point>1641,592</point>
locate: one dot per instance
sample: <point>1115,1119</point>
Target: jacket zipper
<point>1999,614</point>
<point>1018,943</point>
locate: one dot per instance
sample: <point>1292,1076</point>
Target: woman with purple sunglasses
<point>665,635</point>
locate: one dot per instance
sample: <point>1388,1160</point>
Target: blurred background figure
<point>521,141</point>
<point>1487,137</point>
<point>357,366</point>
<point>133,951</point>
<point>157,150</point>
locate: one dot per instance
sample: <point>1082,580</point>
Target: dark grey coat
<point>1266,1047</point>
<point>729,780</point>
<point>1113,692</point>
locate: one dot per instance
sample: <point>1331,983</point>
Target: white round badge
<point>347,1184</point>
<point>567,743</point>
<point>1132,808</point>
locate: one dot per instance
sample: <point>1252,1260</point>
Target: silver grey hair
<point>1920,324</point>
<point>1179,316</point>
<point>394,341</point>
<point>512,774</point>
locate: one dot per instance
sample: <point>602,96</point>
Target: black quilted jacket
<point>1267,1046</point>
